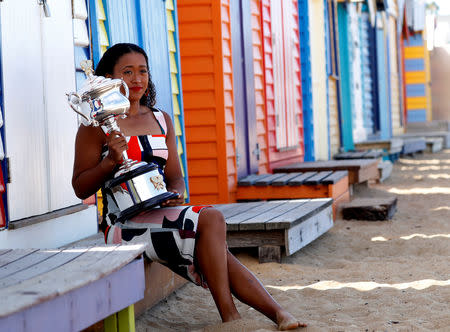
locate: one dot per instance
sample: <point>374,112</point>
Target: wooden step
<point>363,154</point>
<point>434,144</point>
<point>274,225</point>
<point>371,209</point>
<point>385,168</point>
<point>413,145</point>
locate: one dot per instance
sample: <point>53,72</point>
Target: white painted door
<point>38,69</point>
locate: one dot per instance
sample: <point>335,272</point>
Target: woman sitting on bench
<point>190,240</point>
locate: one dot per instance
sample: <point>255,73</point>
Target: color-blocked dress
<point>169,231</point>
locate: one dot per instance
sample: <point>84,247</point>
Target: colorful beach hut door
<point>243,88</point>
<point>37,70</point>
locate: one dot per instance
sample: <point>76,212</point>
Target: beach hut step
<point>434,144</point>
<point>273,225</point>
<point>363,154</point>
<point>413,145</point>
<point>385,168</point>
<point>371,209</point>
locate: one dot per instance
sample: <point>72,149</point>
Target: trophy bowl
<point>135,186</point>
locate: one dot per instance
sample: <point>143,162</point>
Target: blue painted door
<point>345,84</point>
<point>382,79</point>
<point>305,58</point>
<point>243,88</point>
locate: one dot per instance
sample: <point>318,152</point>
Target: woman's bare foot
<point>286,321</point>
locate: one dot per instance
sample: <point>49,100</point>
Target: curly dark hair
<point>109,60</point>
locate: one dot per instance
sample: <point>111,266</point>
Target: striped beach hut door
<point>366,75</point>
<point>243,88</point>
<point>359,132</point>
<point>151,25</point>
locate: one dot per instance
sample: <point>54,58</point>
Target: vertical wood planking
<point>319,79</point>
<point>397,128</point>
<point>205,54</point>
<point>258,70</point>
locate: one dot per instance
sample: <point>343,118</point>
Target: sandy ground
<point>360,276</point>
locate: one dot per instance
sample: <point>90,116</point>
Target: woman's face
<point>132,67</point>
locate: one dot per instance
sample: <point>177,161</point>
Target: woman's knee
<point>212,219</point>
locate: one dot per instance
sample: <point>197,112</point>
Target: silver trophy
<point>136,186</point>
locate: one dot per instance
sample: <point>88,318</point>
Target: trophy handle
<point>125,87</point>
<point>74,100</point>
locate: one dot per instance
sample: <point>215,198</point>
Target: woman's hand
<point>116,145</point>
<point>174,201</point>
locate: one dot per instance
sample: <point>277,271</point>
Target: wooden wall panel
<point>206,67</point>
<point>258,70</point>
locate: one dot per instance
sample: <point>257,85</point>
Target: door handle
<point>44,4</point>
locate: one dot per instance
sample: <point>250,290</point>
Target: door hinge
<point>257,151</point>
<point>8,171</point>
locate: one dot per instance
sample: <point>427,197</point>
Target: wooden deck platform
<point>68,289</point>
<point>333,184</point>
<point>363,154</point>
<point>434,144</point>
<point>393,146</point>
<point>359,170</point>
<point>413,145</point>
<point>273,225</point>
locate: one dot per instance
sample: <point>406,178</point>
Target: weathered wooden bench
<point>434,144</point>
<point>360,171</point>
<point>363,154</point>
<point>333,184</point>
<point>393,146</point>
<point>273,225</point>
<point>70,289</point>
<point>413,145</point>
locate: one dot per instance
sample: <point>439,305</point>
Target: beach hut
<point>232,129</point>
<point>417,78</point>
<point>153,26</point>
<point>39,128</point>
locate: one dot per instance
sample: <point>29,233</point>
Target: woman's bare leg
<point>211,254</point>
<point>247,288</point>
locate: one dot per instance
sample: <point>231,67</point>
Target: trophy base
<point>138,189</point>
<point>143,206</point>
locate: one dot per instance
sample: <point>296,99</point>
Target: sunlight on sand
<point>420,191</point>
<point>409,237</point>
<point>365,285</point>
<point>439,176</point>
<point>424,162</point>
<point>441,208</point>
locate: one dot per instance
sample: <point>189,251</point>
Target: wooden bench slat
<point>282,181</point>
<point>334,177</point>
<point>25,262</point>
<point>14,255</point>
<point>267,180</point>
<point>250,213</point>
<point>47,265</point>
<point>230,210</point>
<point>4,251</point>
<point>317,179</point>
<point>299,214</point>
<point>81,271</point>
<point>299,180</point>
<point>258,222</point>
<point>250,179</point>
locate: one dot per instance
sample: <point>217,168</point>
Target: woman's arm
<point>172,170</point>
<point>89,170</point>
